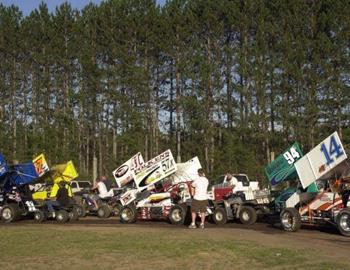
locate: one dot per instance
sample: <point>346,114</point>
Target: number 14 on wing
<point>332,150</point>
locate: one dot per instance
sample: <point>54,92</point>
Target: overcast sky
<point>28,5</point>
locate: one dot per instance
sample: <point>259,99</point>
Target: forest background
<point>228,81</point>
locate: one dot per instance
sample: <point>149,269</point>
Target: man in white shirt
<point>200,198</point>
<point>102,190</point>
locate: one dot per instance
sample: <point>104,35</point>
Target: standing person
<point>200,198</point>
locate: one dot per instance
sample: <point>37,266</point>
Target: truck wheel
<point>62,216</point>
<point>103,211</point>
<point>39,216</point>
<point>128,214</point>
<point>10,213</point>
<point>177,215</point>
<point>247,215</point>
<point>290,220</point>
<point>219,216</point>
<point>343,222</point>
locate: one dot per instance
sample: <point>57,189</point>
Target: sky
<point>26,6</point>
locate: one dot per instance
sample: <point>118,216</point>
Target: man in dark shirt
<point>62,198</point>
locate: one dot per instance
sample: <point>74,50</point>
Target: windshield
<point>84,184</point>
<point>221,179</point>
<point>243,179</point>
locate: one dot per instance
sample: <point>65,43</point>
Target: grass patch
<point>60,247</point>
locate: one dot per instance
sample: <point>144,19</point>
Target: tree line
<point>229,81</point>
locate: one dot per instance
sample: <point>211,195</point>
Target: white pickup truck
<point>78,186</point>
<point>240,182</point>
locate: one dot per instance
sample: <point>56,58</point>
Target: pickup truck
<point>240,182</point>
<point>78,186</point>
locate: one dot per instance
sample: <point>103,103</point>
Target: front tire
<point>104,211</point>
<point>128,214</point>
<point>247,215</point>
<point>10,213</point>
<point>290,220</point>
<point>177,215</point>
<point>343,222</point>
<point>219,216</point>
<point>62,216</point>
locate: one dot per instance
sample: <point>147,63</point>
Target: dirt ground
<point>326,242</point>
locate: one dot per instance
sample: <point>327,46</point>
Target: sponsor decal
<point>155,170</point>
<point>40,165</point>
<point>124,174</point>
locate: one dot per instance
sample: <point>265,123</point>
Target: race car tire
<point>10,213</point>
<point>177,215</point>
<point>290,220</point>
<point>343,222</point>
<point>128,214</point>
<point>73,215</point>
<point>39,216</point>
<point>62,216</point>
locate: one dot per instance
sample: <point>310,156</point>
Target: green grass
<point>59,247</point>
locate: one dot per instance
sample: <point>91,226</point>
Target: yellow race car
<point>61,172</point>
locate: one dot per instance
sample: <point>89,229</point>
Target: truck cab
<point>78,186</point>
<point>240,182</point>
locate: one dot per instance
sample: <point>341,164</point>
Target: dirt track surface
<point>326,241</point>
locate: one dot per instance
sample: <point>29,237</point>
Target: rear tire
<point>62,216</point>
<point>290,220</point>
<point>116,209</point>
<point>10,213</point>
<point>247,215</point>
<point>219,216</point>
<point>343,222</point>
<point>73,215</point>
<point>104,211</point>
<point>177,215</point>
<point>80,210</point>
<point>128,214</point>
